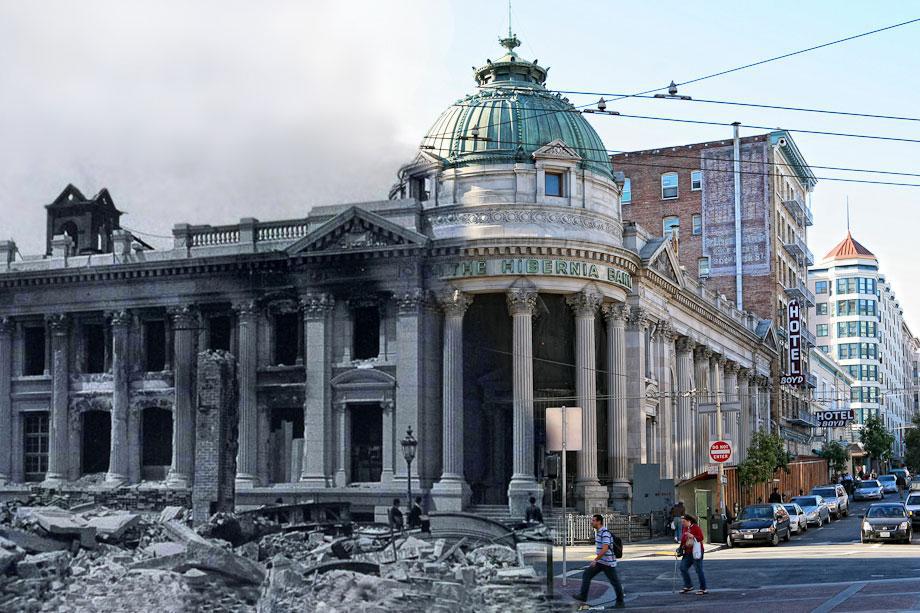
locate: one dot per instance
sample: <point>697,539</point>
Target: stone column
<point>184,325</point>
<point>703,360</point>
<point>342,456</point>
<point>730,418</point>
<point>685,429</point>
<point>118,447</point>
<point>744,394</point>
<point>6,402</point>
<point>58,447</point>
<point>716,386</point>
<point>390,447</point>
<point>318,427</point>
<point>451,492</point>
<point>409,387</point>
<point>636,327</point>
<point>247,461</point>
<point>616,315</point>
<point>591,494</point>
<point>523,485</point>
<point>665,336</point>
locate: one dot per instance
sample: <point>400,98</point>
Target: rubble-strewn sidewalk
<point>53,559</point>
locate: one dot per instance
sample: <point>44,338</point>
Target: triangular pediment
<point>659,256</point>
<point>767,333</point>
<point>358,230</point>
<point>556,150</point>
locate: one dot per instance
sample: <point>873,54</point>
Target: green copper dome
<point>511,116</point>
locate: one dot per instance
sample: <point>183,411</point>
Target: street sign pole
<point>565,519</point>
<point>719,431</point>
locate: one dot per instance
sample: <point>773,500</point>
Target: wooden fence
<point>803,475</point>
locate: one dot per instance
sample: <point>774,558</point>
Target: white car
<point>889,483</point>
<point>798,522</point>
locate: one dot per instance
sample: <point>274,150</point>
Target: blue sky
<point>220,110</point>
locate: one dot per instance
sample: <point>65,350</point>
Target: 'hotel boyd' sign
<point>534,266</point>
<point>794,376</point>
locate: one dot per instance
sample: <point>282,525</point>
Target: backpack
<point>617,546</point>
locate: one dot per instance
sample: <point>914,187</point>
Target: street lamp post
<point>409,447</point>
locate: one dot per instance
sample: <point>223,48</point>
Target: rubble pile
<point>101,559</point>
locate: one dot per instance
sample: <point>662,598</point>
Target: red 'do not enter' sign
<point>720,451</point>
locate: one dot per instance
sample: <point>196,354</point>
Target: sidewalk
<point>642,549</point>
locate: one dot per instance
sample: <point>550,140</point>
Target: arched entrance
<point>156,443</point>
<point>97,438</point>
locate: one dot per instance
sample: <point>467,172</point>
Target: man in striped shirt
<point>604,562</point>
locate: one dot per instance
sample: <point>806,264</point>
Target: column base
<point>519,493</point>
<point>450,494</point>
<point>177,480</point>
<point>620,496</point>
<point>341,479</point>
<point>592,497</point>
<point>245,481</point>
<point>310,480</point>
<point>115,479</point>
<point>52,480</point>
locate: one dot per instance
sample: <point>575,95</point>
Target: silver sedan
<point>816,510</point>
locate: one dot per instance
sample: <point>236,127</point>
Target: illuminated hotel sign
<point>794,376</point>
<point>532,266</point>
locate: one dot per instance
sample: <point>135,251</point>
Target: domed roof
<point>511,116</point>
<point>848,248</point>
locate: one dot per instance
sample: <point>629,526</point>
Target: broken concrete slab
<point>49,565</point>
<point>183,533</point>
<point>112,526</point>
<point>209,557</point>
<point>10,554</point>
<point>170,513</point>
<point>31,542</point>
<point>58,522</point>
<point>454,549</point>
<point>169,548</point>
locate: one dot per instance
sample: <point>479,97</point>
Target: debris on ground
<point>73,558</point>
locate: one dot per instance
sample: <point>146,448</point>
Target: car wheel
<point>728,541</point>
<point>862,539</point>
<point>775,540</point>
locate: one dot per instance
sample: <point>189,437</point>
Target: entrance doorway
<point>366,438</point>
<point>97,438</point>
<point>156,443</point>
<point>285,444</point>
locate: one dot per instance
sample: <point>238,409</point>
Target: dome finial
<point>512,41</point>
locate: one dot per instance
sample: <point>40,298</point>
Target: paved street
<point>827,569</point>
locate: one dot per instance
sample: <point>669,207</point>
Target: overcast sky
<point>205,112</point>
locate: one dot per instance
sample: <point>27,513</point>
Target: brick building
<point>689,193</point>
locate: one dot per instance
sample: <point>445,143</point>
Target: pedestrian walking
<point>604,562</point>
<point>902,485</point>
<point>533,515</point>
<point>691,549</point>
<point>677,514</point>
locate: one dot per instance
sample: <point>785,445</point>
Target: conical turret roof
<point>849,248</point>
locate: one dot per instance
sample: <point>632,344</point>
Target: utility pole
<point>739,277</point>
<point>719,434</point>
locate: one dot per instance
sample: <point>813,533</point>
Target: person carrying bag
<point>691,548</point>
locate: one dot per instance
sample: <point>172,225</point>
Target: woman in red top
<point>692,533</point>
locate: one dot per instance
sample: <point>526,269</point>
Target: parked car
<point>798,522</point>
<point>838,503</point>
<point>886,521</point>
<point>889,483</point>
<point>912,505</point>
<point>870,489</point>
<point>760,523</point>
<point>816,511</point>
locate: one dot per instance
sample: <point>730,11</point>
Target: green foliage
<point>912,443</point>
<point>836,456</point>
<point>766,455</point>
<point>876,438</point>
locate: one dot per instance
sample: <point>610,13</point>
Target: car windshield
<point>827,492</point>
<point>887,478</point>
<point>866,484</point>
<point>790,508</point>
<point>913,499</point>
<point>894,510</point>
<point>807,502</point>
<point>757,513</point>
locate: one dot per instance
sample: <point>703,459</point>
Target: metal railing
<point>629,527</point>
<point>800,210</point>
<point>798,248</point>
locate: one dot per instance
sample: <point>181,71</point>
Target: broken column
<point>216,435</point>
<point>118,453</point>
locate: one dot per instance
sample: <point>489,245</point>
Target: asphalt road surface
<point>826,569</point>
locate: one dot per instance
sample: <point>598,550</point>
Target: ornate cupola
<point>87,222</point>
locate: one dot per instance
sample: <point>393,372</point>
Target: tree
<point>876,439</point>
<point>912,445</point>
<point>765,456</point>
<point>836,456</point>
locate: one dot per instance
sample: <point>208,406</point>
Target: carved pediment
<point>661,259</point>
<point>556,150</point>
<point>357,230</point>
<point>767,334</point>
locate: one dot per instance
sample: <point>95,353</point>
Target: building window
<point>669,185</point>
<point>154,346</point>
<point>34,350</point>
<point>702,266</point>
<point>825,349</point>
<point>35,445</point>
<point>626,196</point>
<point>670,224</point>
<point>822,330</point>
<point>554,184</point>
<point>287,337</point>
<point>821,308</point>
<point>696,224</point>
<point>93,348</point>
<point>219,332</point>
<point>696,180</point>
<point>820,287</point>
<point>365,333</point>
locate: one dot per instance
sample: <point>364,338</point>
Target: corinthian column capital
<point>454,302</point>
<point>521,301</point>
<point>615,311</point>
<point>120,319</point>
<point>685,344</point>
<point>58,322</point>
<point>184,317</point>
<point>6,325</point>
<point>584,304</point>
<point>316,304</point>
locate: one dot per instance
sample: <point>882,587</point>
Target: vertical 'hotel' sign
<point>794,376</point>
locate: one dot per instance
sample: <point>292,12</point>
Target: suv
<point>838,503</point>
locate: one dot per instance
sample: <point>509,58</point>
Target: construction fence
<point>802,476</point>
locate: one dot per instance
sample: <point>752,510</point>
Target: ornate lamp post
<point>409,446</point>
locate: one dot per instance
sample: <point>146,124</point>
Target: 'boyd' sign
<point>834,418</point>
<point>794,376</point>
